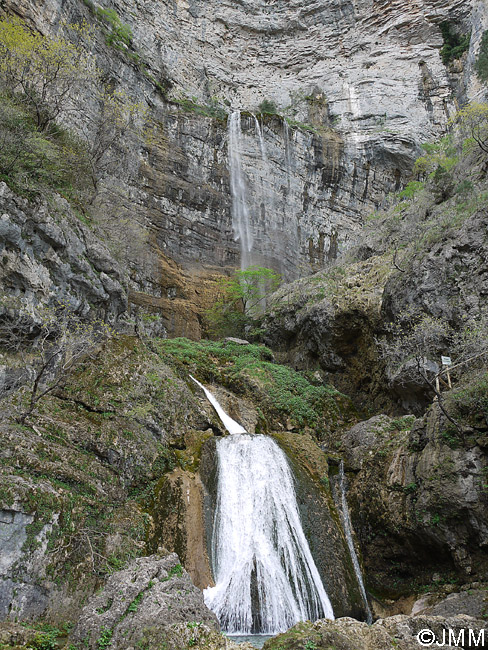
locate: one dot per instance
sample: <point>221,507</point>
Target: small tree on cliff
<point>242,298</point>
<point>44,344</point>
<point>47,73</point>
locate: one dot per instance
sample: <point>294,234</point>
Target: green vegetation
<point>105,638</point>
<point>411,190</point>
<point>134,605</point>
<point>41,82</point>
<point>470,403</point>
<point>440,157</point>
<point>33,161</point>
<point>268,107</point>
<point>473,125</point>
<point>45,73</point>
<point>242,298</point>
<point>481,64</point>
<point>279,390</point>
<point>454,44</point>
<point>213,109</point>
<point>119,34</point>
<point>177,571</point>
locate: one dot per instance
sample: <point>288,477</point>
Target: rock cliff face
<point>361,83</point>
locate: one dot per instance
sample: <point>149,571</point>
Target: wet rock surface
<point>418,502</point>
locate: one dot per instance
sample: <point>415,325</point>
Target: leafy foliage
<point>454,44</point>
<point>46,73</point>
<point>242,297</point>
<point>481,64</point>
<point>473,124</point>
<point>41,80</point>
<point>439,157</point>
<point>411,190</point>
<point>268,107</point>
<point>32,161</point>
<point>120,34</point>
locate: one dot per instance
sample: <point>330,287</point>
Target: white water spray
<point>265,575</point>
<point>240,209</point>
<point>346,522</point>
<point>231,425</point>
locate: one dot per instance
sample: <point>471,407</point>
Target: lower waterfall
<point>266,578</point>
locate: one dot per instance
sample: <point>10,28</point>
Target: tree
<point>45,77</point>
<point>473,124</point>
<point>47,72</point>
<point>45,344</point>
<point>242,298</point>
<point>119,118</point>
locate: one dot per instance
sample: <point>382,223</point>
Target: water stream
<point>265,576</point>
<point>240,208</point>
<point>346,522</point>
<point>231,425</point>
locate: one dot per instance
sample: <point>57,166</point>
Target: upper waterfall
<point>240,209</point>
<point>266,578</point>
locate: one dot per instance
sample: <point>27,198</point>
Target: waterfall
<point>240,209</point>
<point>262,145</point>
<point>231,425</point>
<point>346,522</point>
<point>265,575</point>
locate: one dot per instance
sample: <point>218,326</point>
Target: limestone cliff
<point>361,85</point>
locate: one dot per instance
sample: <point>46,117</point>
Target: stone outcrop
<point>399,632</point>
<point>330,320</point>
<point>49,256</point>
<point>418,500</point>
<point>150,595</point>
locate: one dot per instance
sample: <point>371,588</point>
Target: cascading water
<point>265,575</point>
<point>266,579</point>
<point>240,208</point>
<point>346,522</point>
<point>231,425</point>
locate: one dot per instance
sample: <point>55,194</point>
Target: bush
<point>411,190</point>
<point>242,298</point>
<point>481,64</point>
<point>32,161</point>
<point>454,44</point>
<point>120,33</point>
<point>268,107</point>
<point>46,73</point>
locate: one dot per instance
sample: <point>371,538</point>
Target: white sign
<point>446,361</point>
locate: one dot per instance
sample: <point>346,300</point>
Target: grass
<point>277,389</point>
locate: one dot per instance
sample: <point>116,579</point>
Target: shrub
<point>48,73</point>
<point>268,107</point>
<point>411,190</point>
<point>454,44</point>
<point>32,161</point>
<point>120,33</point>
<point>473,124</point>
<point>242,297</point>
<point>481,64</point>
